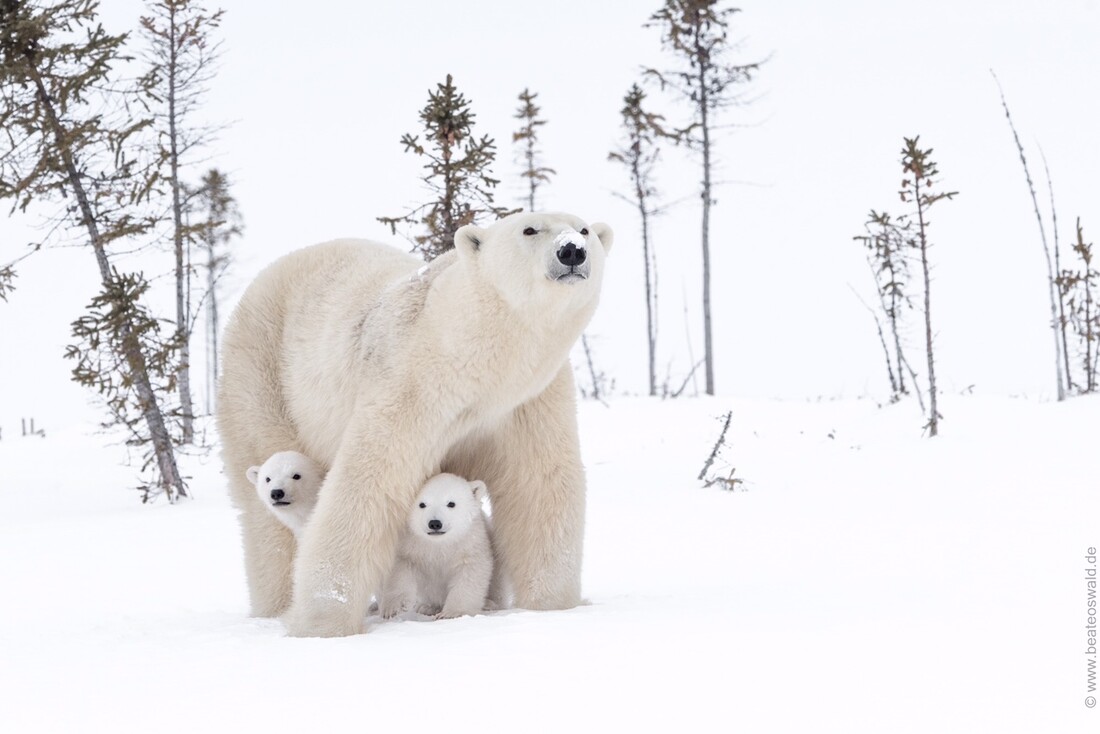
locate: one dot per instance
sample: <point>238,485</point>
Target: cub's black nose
<point>435,524</point>
<point>277,494</point>
<point>571,255</point>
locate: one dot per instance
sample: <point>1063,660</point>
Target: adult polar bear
<point>387,371</point>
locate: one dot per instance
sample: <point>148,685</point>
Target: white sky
<point>321,97</point>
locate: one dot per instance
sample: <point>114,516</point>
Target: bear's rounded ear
<point>468,239</point>
<point>605,234</point>
<point>479,489</point>
<point>253,473</point>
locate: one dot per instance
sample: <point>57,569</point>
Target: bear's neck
<point>523,348</point>
<point>480,313</point>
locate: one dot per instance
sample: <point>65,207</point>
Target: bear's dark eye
<point>297,476</point>
<point>422,505</point>
<point>585,231</point>
<point>450,504</point>
<point>530,231</point>
<point>268,479</point>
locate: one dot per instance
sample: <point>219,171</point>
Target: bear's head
<point>287,481</point>
<point>446,508</point>
<point>542,257</point>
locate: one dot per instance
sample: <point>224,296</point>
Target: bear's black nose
<point>571,255</point>
<point>435,524</point>
<point>277,494</point>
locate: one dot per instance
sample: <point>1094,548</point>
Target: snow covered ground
<point>862,579</point>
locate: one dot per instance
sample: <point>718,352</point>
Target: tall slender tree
<point>69,133</point>
<point>219,222</point>
<point>1063,322</point>
<point>918,187</point>
<point>697,32</point>
<point>527,136</point>
<point>638,153</point>
<point>1052,273</point>
<point>181,58</point>
<point>457,172</point>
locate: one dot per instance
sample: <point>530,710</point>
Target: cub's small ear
<point>253,473</point>
<point>605,234</point>
<point>468,240</point>
<point>479,489</point>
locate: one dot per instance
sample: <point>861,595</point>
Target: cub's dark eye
<point>530,231</point>
<point>268,479</point>
<point>297,476</point>
<point>450,504</point>
<point>422,505</point>
<point>585,231</point>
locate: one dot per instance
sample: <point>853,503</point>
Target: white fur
<point>287,485</point>
<point>386,378</point>
<point>444,558</point>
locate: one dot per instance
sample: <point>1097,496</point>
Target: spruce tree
<point>638,153</point>
<point>918,187</point>
<point>1081,287</point>
<point>69,132</point>
<point>885,240</point>
<point>697,32</point>
<point>528,137</point>
<point>219,222</point>
<point>181,60</point>
<point>457,175</point>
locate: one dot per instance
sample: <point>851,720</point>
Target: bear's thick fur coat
<point>388,371</point>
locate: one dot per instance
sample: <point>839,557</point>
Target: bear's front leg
<point>269,562</point>
<point>350,543</point>
<point>467,590</point>
<point>345,553</point>
<point>537,488</point>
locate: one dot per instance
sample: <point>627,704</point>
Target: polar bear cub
<point>287,485</point>
<point>444,562</point>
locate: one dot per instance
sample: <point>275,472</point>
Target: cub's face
<point>540,255</point>
<point>286,479</point>
<point>446,508</point>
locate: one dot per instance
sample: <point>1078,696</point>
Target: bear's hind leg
<point>253,424</point>
<point>532,466</point>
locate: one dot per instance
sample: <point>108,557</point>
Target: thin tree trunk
<point>449,216</point>
<point>212,330</point>
<point>1057,274</point>
<point>934,416</point>
<point>916,385</point>
<point>183,330</point>
<point>885,349</point>
<point>531,171</point>
<point>1046,249</point>
<point>591,368</point>
<point>131,349</point>
<point>894,324</point>
<point>708,344</point>
<point>650,296</point>
<point>1090,335</point>
<point>650,306</point>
